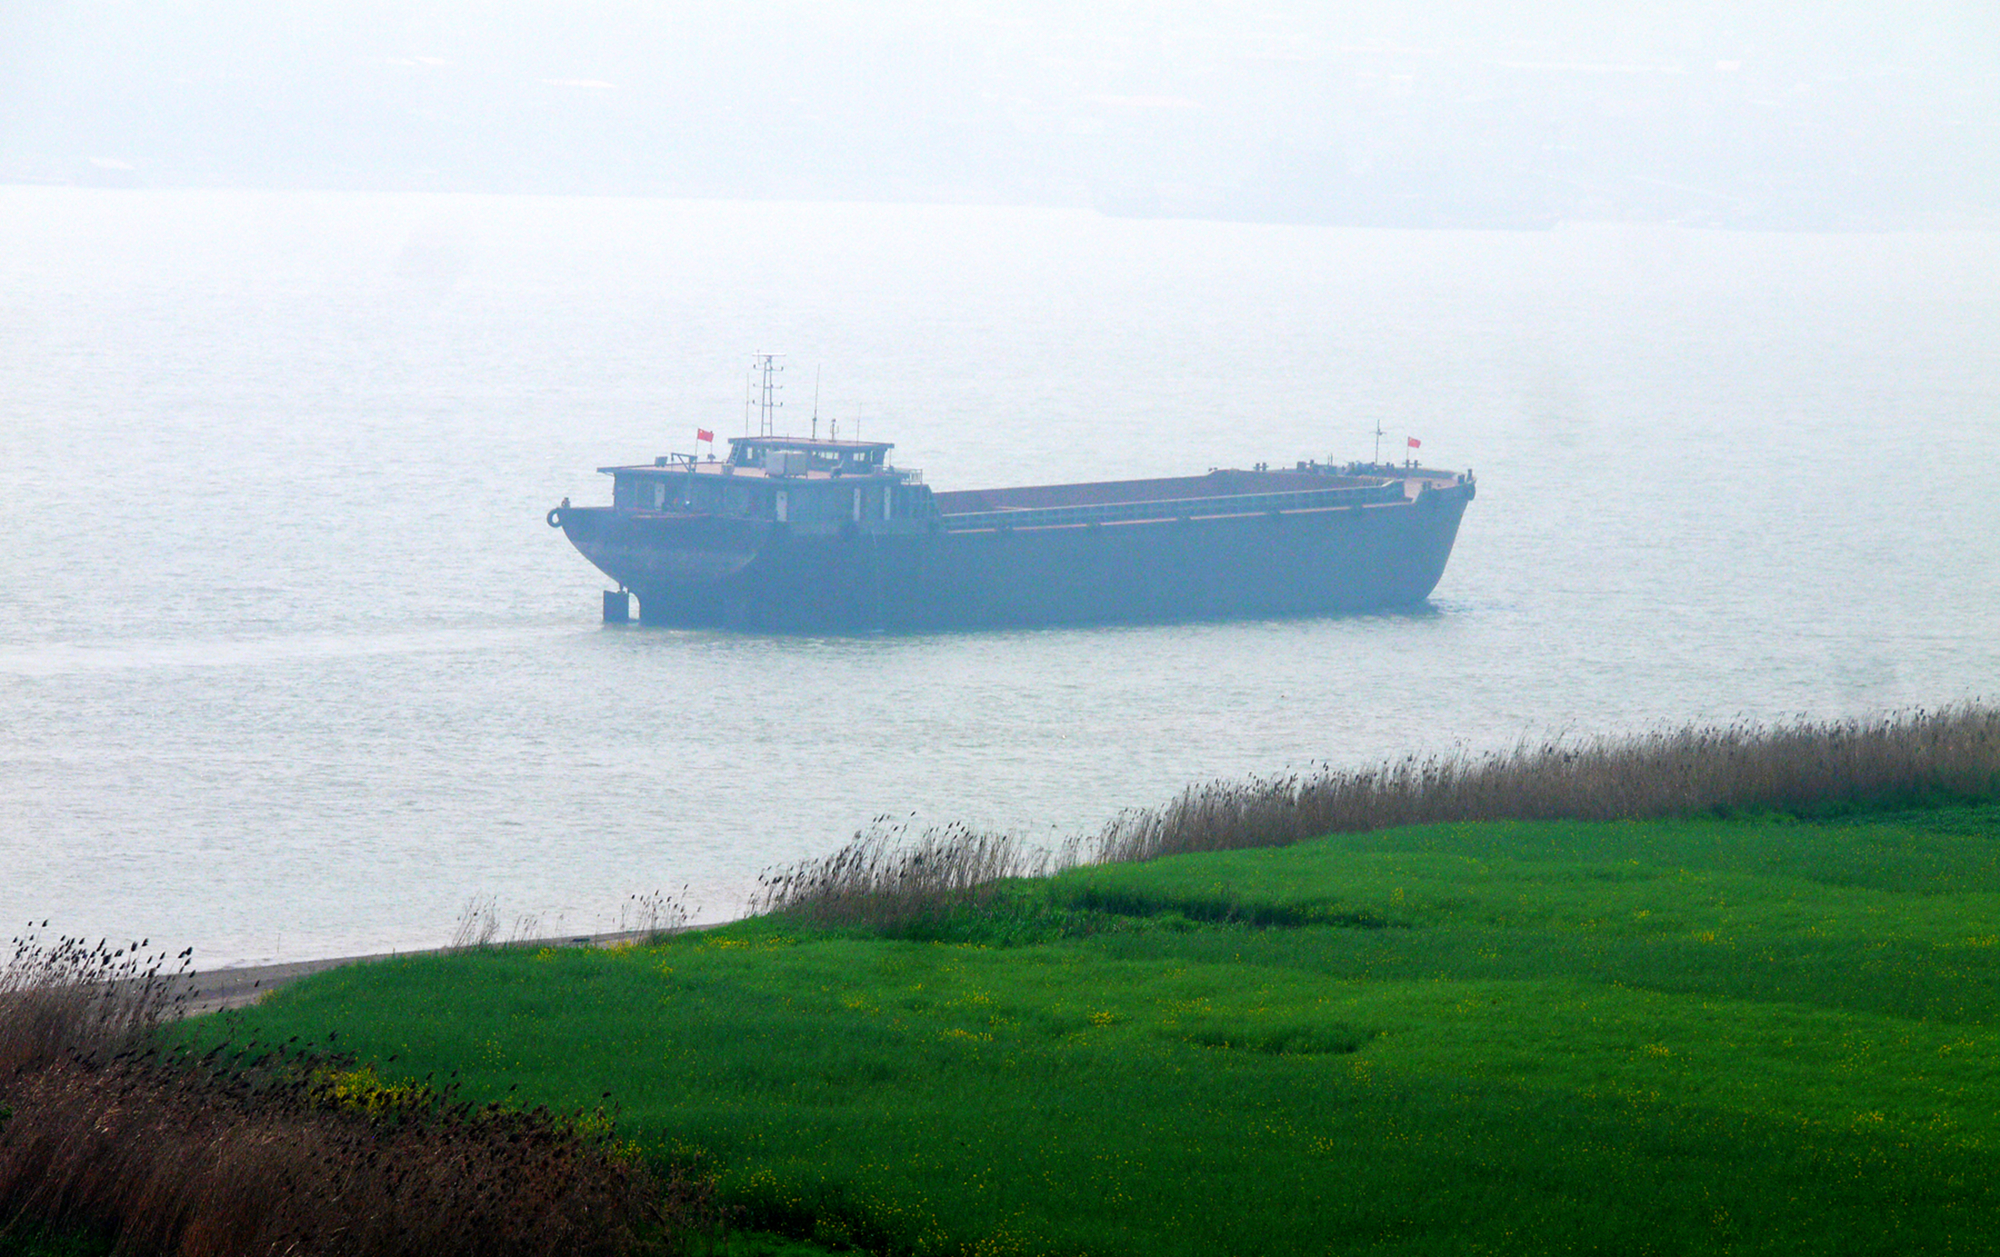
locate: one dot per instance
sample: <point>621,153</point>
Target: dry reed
<point>880,879</point>
<point>655,915</point>
<point>73,998</point>
<point>286,1150</point>
<point>1803,767</point>
<point>883,879</point>
<point>478,924</point>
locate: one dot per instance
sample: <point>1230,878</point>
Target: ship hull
<point>746,573</point>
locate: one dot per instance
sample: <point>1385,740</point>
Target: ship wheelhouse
<point>808,486</point>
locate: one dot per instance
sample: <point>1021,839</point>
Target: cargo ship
<point>800,533</point>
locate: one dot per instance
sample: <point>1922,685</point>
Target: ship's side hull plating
<point>705,570</point>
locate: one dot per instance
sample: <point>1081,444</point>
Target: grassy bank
<point>1714,990</point>
<point>1750,1034</point>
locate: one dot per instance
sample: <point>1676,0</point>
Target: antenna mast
<point>767,366</point>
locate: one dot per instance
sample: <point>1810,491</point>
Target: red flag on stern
<point>1415,443</point>
<point>703,434</point>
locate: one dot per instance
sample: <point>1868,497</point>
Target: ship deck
<point>1219,493</point>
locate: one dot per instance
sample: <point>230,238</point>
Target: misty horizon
<point>1434,116</point>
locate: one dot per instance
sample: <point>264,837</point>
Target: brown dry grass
<point>1803,767</point>
<point>286,1150</point>
<point>882,880</point>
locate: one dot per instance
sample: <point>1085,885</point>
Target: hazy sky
<point>1444,114</point>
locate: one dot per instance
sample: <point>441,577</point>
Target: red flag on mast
<point>703,434</point>
<point>1415,443</point>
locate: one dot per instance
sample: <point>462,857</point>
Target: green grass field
<point>1757,1035</point>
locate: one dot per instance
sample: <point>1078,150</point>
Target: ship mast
<point>766,366</point>
<point>1378,440</point>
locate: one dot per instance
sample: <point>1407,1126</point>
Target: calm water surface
<point>290,665</point>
